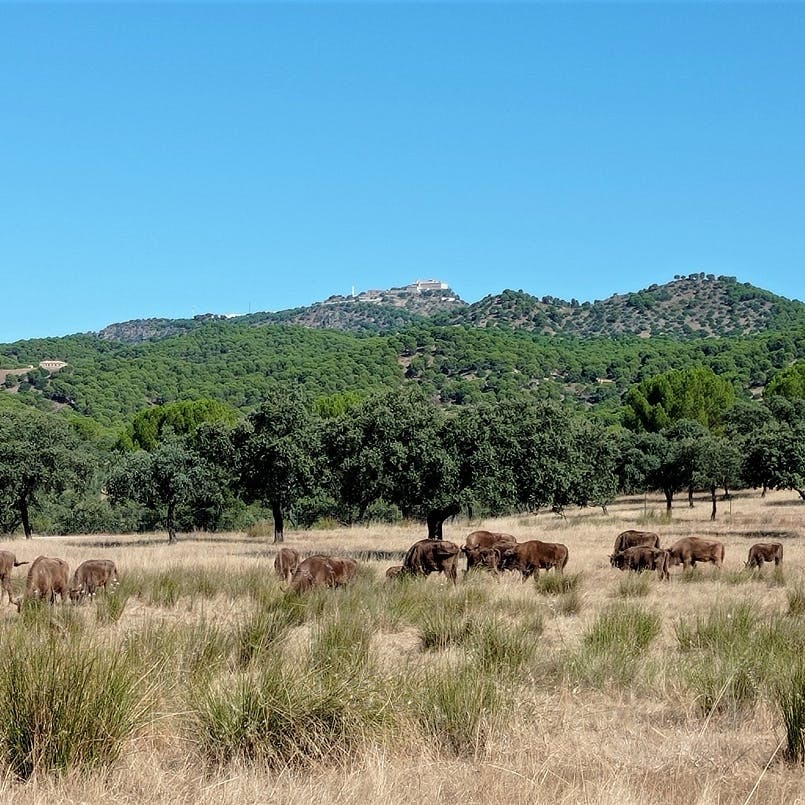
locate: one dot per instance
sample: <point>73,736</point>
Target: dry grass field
<point>602,687</point>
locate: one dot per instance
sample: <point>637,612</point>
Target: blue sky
<point>167,160</point>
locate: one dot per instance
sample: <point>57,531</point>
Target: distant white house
<point>52,366</point>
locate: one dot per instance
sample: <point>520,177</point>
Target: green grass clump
<point>109,607</point>
<point>457,709</point>
<point>634,585</point>
<point>260,633</point>
<point>791,701</point>
<point>283,717</point>
<point>557,583</point>
<point>497,646</point>
<point>613,645</point>
<point>796,599</point>
<point>67,704</point>
<point>569,603</point>
<point>340,645</point>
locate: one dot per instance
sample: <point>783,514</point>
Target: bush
<point>557,583</point>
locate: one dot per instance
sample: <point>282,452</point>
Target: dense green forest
<point>215,423</point>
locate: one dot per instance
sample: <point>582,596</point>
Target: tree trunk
<point>690,496</point>
<point>24,516</point>
<point>171,517</point>
<point>801,493</point>
<point>713,498</point>
<point>763,493</point>
<point>276,511</point>
<point>669,498</point>
<point>604,508</point>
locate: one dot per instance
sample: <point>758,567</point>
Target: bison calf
<point>90,576</point>
<point>47,578</point>
<point>642,557</point>
<point>322,571</point>
<point>765,552</point>
<point>286,562</point>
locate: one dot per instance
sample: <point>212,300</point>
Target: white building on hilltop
<point>428,285</point>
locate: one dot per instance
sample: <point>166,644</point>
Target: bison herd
<point>48,577</point>
<point>489,550</point>
<point>498,552</point>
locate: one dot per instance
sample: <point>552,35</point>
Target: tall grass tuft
<point>340,645</point>
<point>634,585</point>
<point>109,607</point>
<point>457,709</point>
<point>557,583</point>
<point>796,599</point>
<point>284,717</point>
<point>67,704</point>
<point>497,646</point>
<point>612,646</point>
<point>791,701</point>
<point>262,631</point>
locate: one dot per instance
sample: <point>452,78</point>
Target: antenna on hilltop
<point>353,291</point>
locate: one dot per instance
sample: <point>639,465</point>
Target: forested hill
<point>495,348</point>
<point>696,305</point>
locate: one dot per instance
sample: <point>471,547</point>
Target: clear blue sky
<point>166,160</point>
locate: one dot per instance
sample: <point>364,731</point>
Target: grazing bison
<point>642,557</point>
<point>689,550</point>
<point>91,575</point>
<point>47,577</point>
<point>482,557</point>
<point>762,552</point>
<point>632,538</point>
<point>529,557</point>
<point>7,562</point>
<point>432,556</point>
<point>322,571</point>
<point>476,548</point>
<point>286,562</point>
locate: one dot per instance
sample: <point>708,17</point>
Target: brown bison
<point>394,571</point>
<point>47,578</point>
<point>765,552</point>
<point>285,563</point>
<point>488,539</point>
<point>689,550</point>
<point>642,557</point>
<point>322,571</point>
<point>632,538</point>
<point>91,575</point>
<point>488,558</point>
<point>432,556</point>
<point>7,562</point>
<point>529,557</point>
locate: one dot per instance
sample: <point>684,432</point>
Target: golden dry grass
<point>565,741</point>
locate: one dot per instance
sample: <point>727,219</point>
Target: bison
<point>479,545</point>
<point>689,550</point>
<point>322,571</point>
<point>432,556</point>
<point>7,562</point>
<point>762,552</point>
<point>286,562</point>
<point>394,571</point>
<point>632,538</point>
<point>482,557</point>
<point>47,578</point>
<point>91,575</point>
<point>642,557</point>
<point>529,557</point>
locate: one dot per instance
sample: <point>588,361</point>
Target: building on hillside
<point>51,365</point>
<point>427,285</point>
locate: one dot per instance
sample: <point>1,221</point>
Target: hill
<point>587,353</point>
